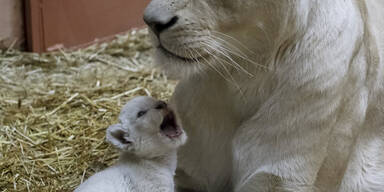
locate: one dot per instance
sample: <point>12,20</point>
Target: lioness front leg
<point>277,171</point>
<point>283,146</point>
<point>268,182</point>
<point>293,173</point>
<point>185,183</point>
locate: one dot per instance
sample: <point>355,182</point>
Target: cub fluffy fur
<point>148,136</point>
<point>283,95</point>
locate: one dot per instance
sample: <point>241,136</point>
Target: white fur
<point>294,102</point>
<point>148,158</point>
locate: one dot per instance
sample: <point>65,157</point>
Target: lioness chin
<point>276,95</point>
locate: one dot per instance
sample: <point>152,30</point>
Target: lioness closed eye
<point>282,95</point>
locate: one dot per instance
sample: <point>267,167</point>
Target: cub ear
<point>119,137</point>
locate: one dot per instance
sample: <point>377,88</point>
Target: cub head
<point>147,128</point>
<point>192,36</point>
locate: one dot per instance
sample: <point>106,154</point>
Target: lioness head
<point>195,35</point>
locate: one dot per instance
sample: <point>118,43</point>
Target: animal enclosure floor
<point>54,109</point>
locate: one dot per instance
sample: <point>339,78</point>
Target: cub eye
<point>141,113</point>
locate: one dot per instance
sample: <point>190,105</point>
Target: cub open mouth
<point>169,126</point>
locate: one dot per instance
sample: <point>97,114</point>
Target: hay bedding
<point>54,109</point>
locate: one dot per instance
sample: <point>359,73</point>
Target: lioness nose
<point>159,20</point>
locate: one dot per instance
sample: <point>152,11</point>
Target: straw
<point>54,109</point>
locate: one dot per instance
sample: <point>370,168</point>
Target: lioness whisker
<point>217,50</point>
<point>191,55</point>
<point>240,55</point>
<point>216,39</point>
<point>228,44</point>
<point>231,61</point>
<point>227,47</point>
<point>211,65</point>
<point>233,81</point>
<point>222,66</point>
<point>230,37</point>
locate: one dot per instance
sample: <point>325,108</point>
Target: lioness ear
<point>119,137</point>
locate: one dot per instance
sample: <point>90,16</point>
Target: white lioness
<point>276,95</point>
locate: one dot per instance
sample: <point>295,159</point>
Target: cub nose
<point>159,21</point>
<point>161,105</point>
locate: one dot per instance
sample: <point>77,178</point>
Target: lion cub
<point>148,136</point>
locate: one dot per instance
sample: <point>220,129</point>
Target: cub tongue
<point>171,131</point>
<point>169,126</point>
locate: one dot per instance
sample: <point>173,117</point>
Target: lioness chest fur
<point>282,95</point>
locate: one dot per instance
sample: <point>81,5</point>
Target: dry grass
<point>54,109</point>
